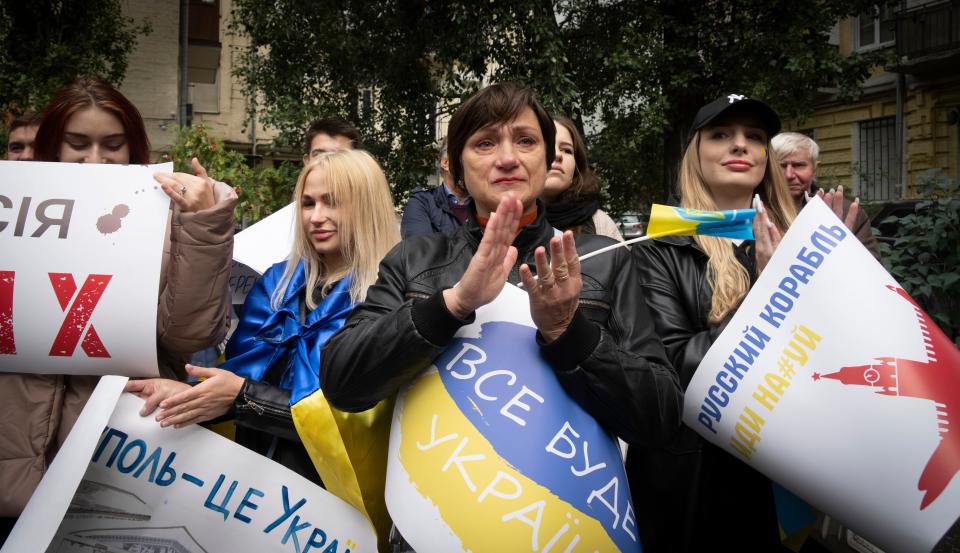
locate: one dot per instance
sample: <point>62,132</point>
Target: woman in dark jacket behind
<point>438,209</point>
<point>692,495</point>
<point>572,193</point>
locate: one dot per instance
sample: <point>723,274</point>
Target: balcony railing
<point>928,29</point>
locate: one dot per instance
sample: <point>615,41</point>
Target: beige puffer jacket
<point>38,411</point>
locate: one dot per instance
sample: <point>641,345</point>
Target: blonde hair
<point>367,226</point>
<point>728,279</point>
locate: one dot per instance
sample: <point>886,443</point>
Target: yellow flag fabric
<point>349,451</point>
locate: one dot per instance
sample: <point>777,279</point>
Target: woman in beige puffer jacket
<point>38,411</point>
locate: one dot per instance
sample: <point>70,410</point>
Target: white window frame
<point>878,19</point>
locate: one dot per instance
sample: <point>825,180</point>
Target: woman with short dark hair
<point>593,326</point>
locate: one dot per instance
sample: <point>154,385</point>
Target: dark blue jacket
<point>428,211</point>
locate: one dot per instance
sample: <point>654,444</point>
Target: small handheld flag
<point>736,224</point>
<point>678,221</point>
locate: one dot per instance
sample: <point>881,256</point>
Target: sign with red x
<point>80,269</point>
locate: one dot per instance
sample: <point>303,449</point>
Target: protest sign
<point>148,488</point>
<point>833,382</point>
<point>82,247</point>
<point>257,247</point>
<point>266,242</point>
<point>488,453</point>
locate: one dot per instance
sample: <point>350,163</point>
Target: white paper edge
<point>275,229</point>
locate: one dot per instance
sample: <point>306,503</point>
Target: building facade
<point>906,120</point>
<point>183,71</point>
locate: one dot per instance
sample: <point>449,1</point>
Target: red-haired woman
<point>89,121</point>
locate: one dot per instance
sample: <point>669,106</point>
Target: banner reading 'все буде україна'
<point>833,382</point>
<point>488,453</point>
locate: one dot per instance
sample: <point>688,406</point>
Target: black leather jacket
<point>609,359</point>
<point>690,495</point>
<point>264,424</point>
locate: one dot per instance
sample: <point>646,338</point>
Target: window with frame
<point>203,55</point>
<point>878,169</point>
<point>876,28</point>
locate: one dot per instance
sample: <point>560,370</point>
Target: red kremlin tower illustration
<point>937,379</point>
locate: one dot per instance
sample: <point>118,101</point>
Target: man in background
<point>20,138</point>
<point>799,157</point>
<point>329,135</point>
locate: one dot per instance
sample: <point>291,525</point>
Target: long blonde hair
<point>728,278</point>
<point>367,226</point>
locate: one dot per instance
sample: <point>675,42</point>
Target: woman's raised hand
<point>190,192</point>
<point>766,234</point>
<point>490,266</point>
<point>555,293</point>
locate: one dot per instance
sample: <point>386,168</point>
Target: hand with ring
<point>190,192</point>
<point>555,293</point>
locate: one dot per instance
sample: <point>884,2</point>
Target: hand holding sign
<point>766,234</point>
<point>207,400</point>
<point>191,193</point>
<point>153,391</point>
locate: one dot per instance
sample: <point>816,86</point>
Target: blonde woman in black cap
<point>691,495</point>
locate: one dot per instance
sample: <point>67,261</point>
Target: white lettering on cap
<point>736,97</point>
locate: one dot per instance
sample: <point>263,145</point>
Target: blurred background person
<point>21,137</point>
<point>571,193</point>
<point>799,157</point>
<point>329,135</point>
<point>437,209</point>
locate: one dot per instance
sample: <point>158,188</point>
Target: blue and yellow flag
<point>349,450</point>
<point>677,221</point>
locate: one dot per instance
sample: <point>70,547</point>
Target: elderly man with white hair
<point>799,157</point>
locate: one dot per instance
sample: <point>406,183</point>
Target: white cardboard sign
<point>80,270</point>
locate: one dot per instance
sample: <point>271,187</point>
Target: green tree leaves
<point>634,73</point>
<point>47,44</point>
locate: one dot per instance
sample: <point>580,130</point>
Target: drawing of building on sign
<point>124,540</point>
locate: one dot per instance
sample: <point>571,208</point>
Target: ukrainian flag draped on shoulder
<point>348,449</point>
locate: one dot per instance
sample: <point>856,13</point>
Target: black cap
<point>709,112</point>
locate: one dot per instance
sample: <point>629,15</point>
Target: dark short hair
<point>333,126</point>
<point>83,93</point>
<point>26,119</point>
<point>494,105</point>
<point>584,185</point>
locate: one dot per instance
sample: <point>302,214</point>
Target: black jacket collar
<point>535,234</point>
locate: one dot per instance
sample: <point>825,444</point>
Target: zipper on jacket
<point>595,303</point>
<point>261,409</point>
<point>251,405</point>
